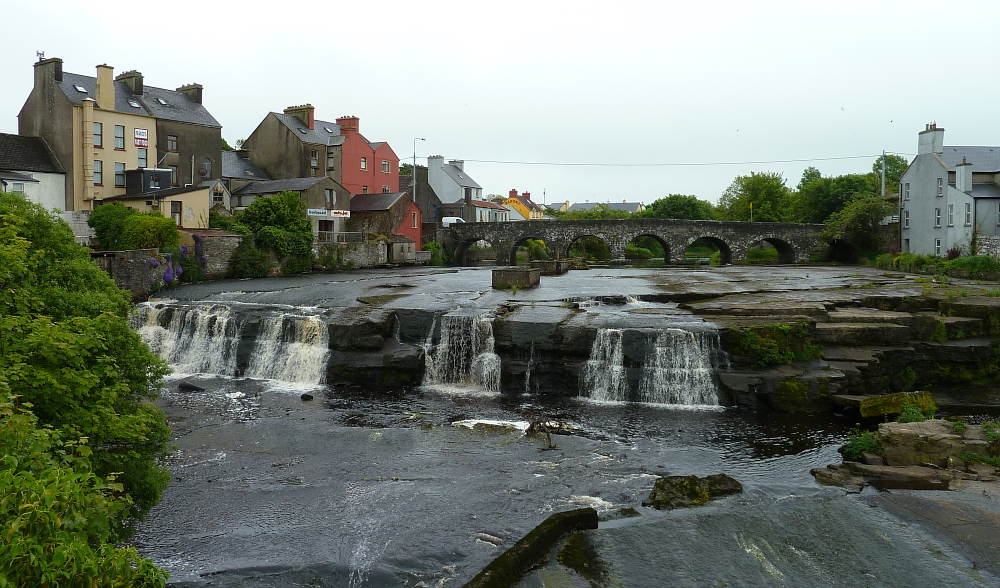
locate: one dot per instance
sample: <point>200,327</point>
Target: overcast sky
<point>608,84</point>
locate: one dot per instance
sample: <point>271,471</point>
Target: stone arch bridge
<point>794,242</point>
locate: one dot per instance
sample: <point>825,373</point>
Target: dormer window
<point>134,104</point>
<point>80,89</point>
<point>161,101</point>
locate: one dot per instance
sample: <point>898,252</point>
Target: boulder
<point>684,491</point>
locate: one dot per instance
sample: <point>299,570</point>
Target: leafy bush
<point>437,252</point>
<point>537,250</point>
<point>217,220</point>
<point>633,252</point>
<point>762,255</point>
<point>149,230</point>
<point>298,264</point>
<point>860,442</point>
<point>776,344</point>
<point>249,262</point>
<point>108,222</point>
<point>191,264</point>
<point>912,414</point>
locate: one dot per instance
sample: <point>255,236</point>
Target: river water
<point>390,488</point>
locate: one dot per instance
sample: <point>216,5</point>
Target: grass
<point>860,442</point>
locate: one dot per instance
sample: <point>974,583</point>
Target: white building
<point>28,166</point>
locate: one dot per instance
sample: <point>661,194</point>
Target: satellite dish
<point>203,172</point>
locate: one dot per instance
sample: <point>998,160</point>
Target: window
<point>940,186</point>
<point>142,157</point>
<point>171,142</point>
<point>364,189</point>
<point>18,187</point>
<point>175,212</point>
<point>328,197</point>
<point>98,172</point>
<point>173,175</point>
<point>937,246</point>
<point>206,164</point>
<point>314,158</point>
<point>906,219</point>
<point>951,215</point>
<point>329,160</point>
<point>119,137</point>
<point>98,134</point>
<point>217,195</point>
<point>364,163</point>
<point>937,217</point>
<point>119,174</point>
<point>413,220</point>
<point>154,181</point>
<point>968,214</point>
<point>906,191</point>
<point>385,189</point>
<point>385,167</point>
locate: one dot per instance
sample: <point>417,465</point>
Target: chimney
<point>930,140</point>
<point>526,195</point>
<point>963,177</point>
<point>460,164</point>
<point>512,193</point>
<point>50,69</point>
<point>105,87</point>
<point>348,124</point>
<point>193,91</point>
<point>133,80</point>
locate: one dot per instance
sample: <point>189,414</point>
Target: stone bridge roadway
<point>794,242</point>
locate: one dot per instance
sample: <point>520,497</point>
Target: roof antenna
<point>40,54</point>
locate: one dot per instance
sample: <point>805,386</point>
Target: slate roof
<point>157,193</point>
<point>632,207</point>
<point>235,166</point>
<point>16,177</point>
<point>982,158</point>
<point>985,191</point>
<point>375,202</point>
<point>488,204</point>
<point>29,154</point>
<point>275,186</point>
<point>179,107</point>
<point>461,178</point>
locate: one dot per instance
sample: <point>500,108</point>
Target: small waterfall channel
<point>463,355</point>
<point>205,339</point>
<point>677,368</point>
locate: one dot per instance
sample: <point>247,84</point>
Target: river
<point>366,487</point>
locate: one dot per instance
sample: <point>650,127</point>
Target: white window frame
<point>364,189</point>
<point>906,191</point>
<point>385,189</point>
<point>940,187</point>
<point>314,158</point>
<point>385,166</point>
<point>968,214</point>
<point>99,135</point>
<point>119,174</point>
<point>120,137</point>
<point>17,187</point>
<point>906,219</point>
<point>413,221</point>
<point>937,247</point>
<point>937,217</point>
<point>951,215</point>
<point>143,159</point>
<point>364,163</point>
<point>98,172</point>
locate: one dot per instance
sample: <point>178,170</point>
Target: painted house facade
<point>524,205</point>
<point>327,203</point>
<point>293,144</point>
<point>28,166</point>
<point>947,195</point>
<point>387,214</point>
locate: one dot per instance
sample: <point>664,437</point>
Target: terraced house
<point>100,127</point>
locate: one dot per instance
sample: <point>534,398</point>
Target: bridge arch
<point>509,257</point>
<point>725,251</point>
<point>630,238</point>
<point>567,245</point>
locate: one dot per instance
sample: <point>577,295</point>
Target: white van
<point>450,220</point>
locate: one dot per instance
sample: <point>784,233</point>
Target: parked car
<point>450,220</point>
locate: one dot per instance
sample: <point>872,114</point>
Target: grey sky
<point>623,82</point>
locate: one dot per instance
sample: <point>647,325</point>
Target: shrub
<point>148,230</point>
<point>954,253</point>
<point>298,264</point>
<point>437,252</point>
<point>108,222</point>
<point>762,255</point>
<point>633,252</point>
<point>912,414</point>
<point>191,265</point>
<point>249,262</point>
<point>860,442</point>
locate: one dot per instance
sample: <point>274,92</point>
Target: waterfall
<point>193,340</point>
<point>290,348</point>
<point>603,377</point>
<point>680,368</point>
<point>464,353</point>
<point>529,370</point>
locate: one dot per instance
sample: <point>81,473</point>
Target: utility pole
<point>883,173</point>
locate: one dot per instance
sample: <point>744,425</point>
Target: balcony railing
<point>332,237</point>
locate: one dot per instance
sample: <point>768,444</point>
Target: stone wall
<point>352,255</point>
<point>988,245</point>
<point>218,251</point>
<point>131,270</point>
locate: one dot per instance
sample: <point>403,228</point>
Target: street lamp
<point>413,171</point>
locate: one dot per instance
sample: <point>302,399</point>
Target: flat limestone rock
<point>860,333</point>
<point>684,491</point>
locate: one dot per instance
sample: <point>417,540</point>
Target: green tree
<point>66,347</point>
<point>58,515</point>
<point>765,194</point>
<point>279,223</point>
<point>859,222</point>
<point>149,230</point>
<point>600,211</point>
<point>405,169</point>
<point>809,174</point>
<point>895,165</point>
<point>225,145</point>
<point>679,206</point>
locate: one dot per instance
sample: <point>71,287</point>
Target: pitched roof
<point>275,186</point>
<point>234,165</point>
<point>461,178</point>
<point>985,190</point>
<point>30,154</point>
<point>488,204</point>
<point>632,207</point>
<point>16,177</point>
<point>982,158</point>
<point>528,202</point>
<point>375,202</point>
<point>179,106</point>
<point>157,193</point>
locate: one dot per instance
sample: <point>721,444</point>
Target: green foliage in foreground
<point>912,414</point>
<point>972,266</point>
<point>119,228</point>
<point>437,253</point>
<point>66,348</point>
<point>860,442</point>
<point>768,345</point>
<point>249,262</point>
<point>56,516</point>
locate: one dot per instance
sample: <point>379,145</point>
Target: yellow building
<point>524,205</point>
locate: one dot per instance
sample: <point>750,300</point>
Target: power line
<point>670,164</point>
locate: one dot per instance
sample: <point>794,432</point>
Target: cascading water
<point>290,348</point>
<point>603,377</point>
<point>464,353</point>
<point>678,368</point>
<point>194,340</point>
